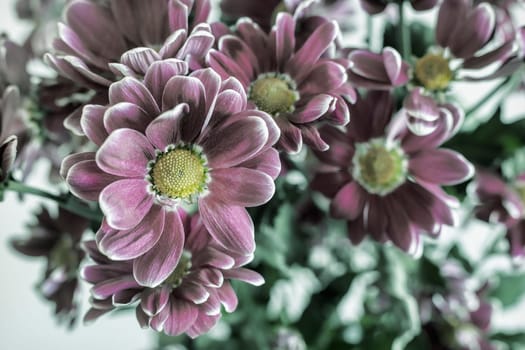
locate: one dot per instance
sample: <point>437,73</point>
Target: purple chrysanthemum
<point>385,180</point>
<point>97,36</point>
<point>296,84</point>
<point>500,202</point>
<point>189,297</point>
<point>467,44</point>
<point>170,141</point>
<point>57,239</point>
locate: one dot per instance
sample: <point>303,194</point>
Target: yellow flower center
<point>182,269</point>
<point>378,168</point>
<point>433,72</point>
<point>273,93</point>
<point>179,173</point>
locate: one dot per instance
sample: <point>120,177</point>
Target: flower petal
<point>132,90</point>
<point>440,166</point>
<point>231,226</point>
<point>349,202</point>
<point>125,115</point>
<point>130,244</point>
<point>125,152</point>
<point>86,180</point>
<point>182,316</point>
<point>159,73</point>
<point>158,263</point>
<point>125,203</point>
<point>241,186</point>
<point>165,129</point>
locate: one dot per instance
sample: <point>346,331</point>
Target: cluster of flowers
<point>172,125</point>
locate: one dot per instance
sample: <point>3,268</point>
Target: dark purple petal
<point>325,77</point>
<point>241,53</point>
<point>451,16</point>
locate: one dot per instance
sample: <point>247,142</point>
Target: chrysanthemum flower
<point>57,239</point>
<point>298,85</point>
<point>458,317</point>
<point>96,34</point>
<point>189,297</point>
<point>500,202</point>
<point>467,44</point>
<point>385,180</point>
<point>170,141</point>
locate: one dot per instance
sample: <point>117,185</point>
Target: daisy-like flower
<point>96,34</point>
<point>57,239</point>
<point>385,180</point>
<point>467,44</point>
<point>171,141</point>
<point>188,300</point>
<point>458,317</point>
<point>500,202</point>
<point>298,85</point>
<point>374,7</point>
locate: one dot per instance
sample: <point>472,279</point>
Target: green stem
<point>403,30</point>
<point>488,96</point>
<point>65,203</point>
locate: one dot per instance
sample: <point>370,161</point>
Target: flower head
<point>501,202</point>
<point>57,239</point>
<point>101,41</point>
<point>296,84</point>
<point>174,141</point>
<point>188,300</point>
<point>385,180</point>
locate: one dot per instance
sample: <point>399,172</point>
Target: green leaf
<point>510,289</point>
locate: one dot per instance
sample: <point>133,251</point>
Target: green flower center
<point>179,173</point>
<point>433,72</point>
<point>274,93</point>
<point>63,255</point>
<point>378,167</point>
<point>182,269</point>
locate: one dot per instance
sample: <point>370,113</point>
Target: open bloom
<point>467,44</point>
<point>500,202</point>
<point>296,84</point>
<point>188,300</point>
<point>385,180</point>
<point>171,141</point>
<point>96,34</point>
<point>57,239</point>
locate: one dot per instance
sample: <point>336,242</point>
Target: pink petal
<point>244,275</point>
<point>86,180</point>
<point>159,73</point>
<point>130,244</point>
<point>441,166</point>
<point>182,316</point>
<point>165,129</point>
<point>92,123</point>
<point>125,115</point>
<point>132,90</point>
<point>158,263</point>
<point>349,202</point>
<point>125,203</point>
<point>231,226</point>
<point>125,152</point>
